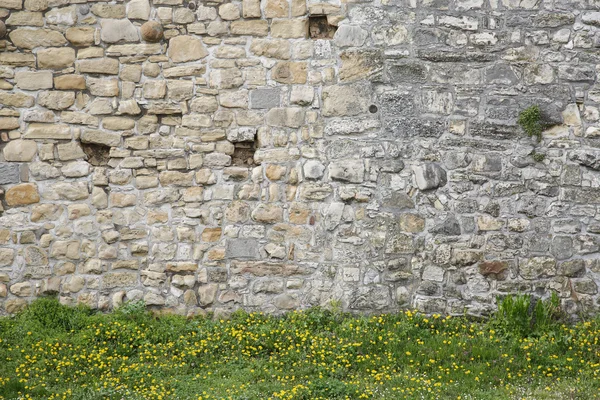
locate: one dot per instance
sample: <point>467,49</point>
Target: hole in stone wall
<point>243,154</point>
<point>319,28</point>
<point>97,154</point>
<point>372,108</point>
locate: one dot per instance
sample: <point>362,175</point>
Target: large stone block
<point>22,195</point>
<point>20,150</point>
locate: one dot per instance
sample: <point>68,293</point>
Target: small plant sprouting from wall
<point>530,120</point>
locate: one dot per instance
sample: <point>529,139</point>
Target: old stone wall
<point>274,155</point>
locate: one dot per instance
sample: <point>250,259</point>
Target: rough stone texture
<point>221,158</point>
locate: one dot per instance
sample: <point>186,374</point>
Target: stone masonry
<point>206,156</point>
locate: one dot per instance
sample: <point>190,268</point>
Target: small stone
<point>313,169</point>
<point>429,176</point>
<point>207,294</point>
<point>152,31</point>
<point>492,267</point>
<point>21,195</point>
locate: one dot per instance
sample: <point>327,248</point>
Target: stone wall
<point>276,155</point>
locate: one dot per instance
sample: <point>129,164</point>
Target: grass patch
<point>54,352</point>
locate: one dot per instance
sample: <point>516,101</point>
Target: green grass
<point>54,352</point>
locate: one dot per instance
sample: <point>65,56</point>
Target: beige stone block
<point>250,28</point>
<point>62,16</point>
<point>117,30</point>
<point>108,66</point>
<point>131,73</point>
<point>70,151</point>
<point>48,131</point>
<point>289,28</point>
<point>33,80</point>
<point>122,199</point>
<point>55,58</point>
<point>20,150</point>
<point>180,90</point>
<point>25,18</point>
<point>35,5</point>
<point>229,11</point>
<point>298,8</point>
<point>16,60</point>
<point>69,82</point>
<point>31,38</point>
<point>104,10</point>
<point>156,89</point>
<point>176,178</point>
<point>10,99</point>
<point>8,123</point>
<point>100,137</point>
<point>292,117</point>
<point>14,4</point>
<point>186,48</point>
<point>81,36</point>
<point>105,87</point>
<point>276,8</point>
<point>272,48</point>
<point>118,123</point>
<point>138,9</point>
<point>82,118</point>
<point>267,213</point>
<point>22,289</point>
<point>55,100</point>
<point>21,195</point>
<point>290,72</point>
<point>251,8</point>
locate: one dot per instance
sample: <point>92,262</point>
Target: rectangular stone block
<point>9,173</point>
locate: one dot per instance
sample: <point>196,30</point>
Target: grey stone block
<point>9,173</point>
<point>265,98</point>
<point>242,248</point>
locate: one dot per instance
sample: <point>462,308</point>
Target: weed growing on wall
<point>530,119</point>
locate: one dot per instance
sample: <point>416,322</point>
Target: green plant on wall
<point>530,120</point>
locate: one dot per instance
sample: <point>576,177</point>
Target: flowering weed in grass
<point>56,352</point>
